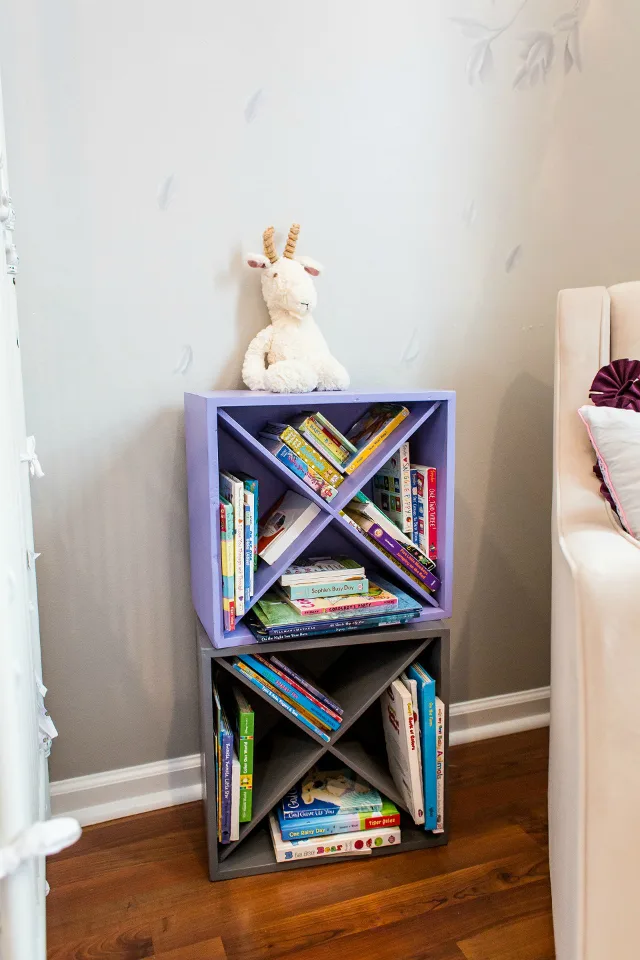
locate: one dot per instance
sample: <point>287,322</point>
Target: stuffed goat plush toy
<point>296,354</point>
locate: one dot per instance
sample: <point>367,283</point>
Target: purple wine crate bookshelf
<point>222,434</point>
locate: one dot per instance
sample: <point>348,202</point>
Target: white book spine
<point>235,798</point>
<point>440,735</point>
<point>405,489</point>
<point>402,749</point>
<point>249,500</point>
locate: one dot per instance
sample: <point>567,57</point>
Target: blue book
<point>257,681</point>
<point>427,713</point>
<point>252,486</point>
<point>224,752</point>
<point>273,678</point>
<point>318,629</point>
<point>248,553</point>
<point>329,793</point>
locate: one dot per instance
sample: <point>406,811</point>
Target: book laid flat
<point>402,751</point>
<point>392,489</point>
<point>328,793</point>
<point>273,617</point>
<point>308,474</point>
<point>319,569</point>
<point>426,694</point>
<point>244,738</point>
<point>228,564</point>
<point>369,432</point>
<point>303,828</point>
<point>310,454</point>
<point>283,523</point>
<point>376,599</point>
<point>232,490</point>
<point>337,845</point>
<point>339,588</point>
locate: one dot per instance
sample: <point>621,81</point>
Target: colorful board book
<point>245,733</point>
<point>232,489</point>
<point>372,429</point>
<point>315,428</point>
<point>392,489</point>
<point>402,554</point>
<point>224,768</point>
<point>329,793</point>
<point>291,692</point>
<point>227,564</point>
<point>300,829</point>
<point>376,599</point>
<point>348,844</point>
<point>308,474</point>
<point>283,523</point>
<point>425,509</point>
<point>305,450</point>
<point>427,710</point>
<point>319,569</point>
<point>402,749</point>
<point>305,682</point>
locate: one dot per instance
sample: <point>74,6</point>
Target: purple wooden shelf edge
<point>208,451</point>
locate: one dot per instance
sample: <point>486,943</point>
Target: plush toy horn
<point>292,239</point>
<point>268,245</point>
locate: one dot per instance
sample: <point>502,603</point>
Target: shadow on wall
<point>507,593</point>
<point>251,315</point>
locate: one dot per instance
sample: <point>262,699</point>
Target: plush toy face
<point>287,283</point>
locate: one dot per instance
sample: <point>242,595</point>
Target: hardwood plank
<point>209,950</point>
<point>530,939</point>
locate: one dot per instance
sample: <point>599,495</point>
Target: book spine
<point>382,538</point>
<point>340,588</point>
<point>235,799</point>
<point>375,442</point>
<point>328,442</point>
<point>440,735</point>
<point>405,488</point>
<point>314,607</point>
<point>432,514</point>
<point>315,482</point>
<point>321,708</point>
<point>429,755</point>
<point>417,792</point>
<point>246,777</point>
<point>255,679</point>
<point>417,510</point>
<point>333,432</point>
<point>238,545</point>
<point>228,564</point>
<point>323,826</point>
<point>318,694</point>
<point>289,691</point>
<point>226,771</point>
<point>248,553</point>
<point>311,456</point>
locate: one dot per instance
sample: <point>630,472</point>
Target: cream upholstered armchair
<point>594,770</point>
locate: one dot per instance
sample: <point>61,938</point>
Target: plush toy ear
<point>311,266</point>
<point>257,260</point>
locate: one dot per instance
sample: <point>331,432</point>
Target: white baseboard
<point>121,793</point>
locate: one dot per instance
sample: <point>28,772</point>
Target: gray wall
<point>149,146</point>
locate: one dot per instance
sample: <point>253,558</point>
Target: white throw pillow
<point>615,435</point>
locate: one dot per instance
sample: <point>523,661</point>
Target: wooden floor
<point>138,887</point>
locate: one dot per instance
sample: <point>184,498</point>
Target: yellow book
<point>369,432</point>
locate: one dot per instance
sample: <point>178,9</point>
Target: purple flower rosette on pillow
<point>617,385</point>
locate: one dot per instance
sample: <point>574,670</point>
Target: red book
<point>432,514</point>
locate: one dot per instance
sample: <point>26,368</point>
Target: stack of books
<point>394,521</point>
<point>413,718</point>
<point>301,605</point>
<point>238,543</point>
<point>288,687</point>
<point>319,454</point>
<point>234,762</point>
<point>332,812</point>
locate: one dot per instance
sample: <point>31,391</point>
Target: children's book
<point>300,829</point>
<point>427,710</point>
<point>329,793</point>
<point>346,844</point>
<point>390,545</point>
<point>260,684</point>
<point>355,586</point>
<point>289,668</point>
<point>412,686</point>
<point>323,435</point>
<point>322,707</point>
<point>224,750</point>
<point>228,564</point>
<point>316,628</point>
<point>361,504</point>
<point>252,488</point>
<point>423,481</point>
<point>440,735</point>
<point>300,700</point>
<point>235,798</point>
<point>418,523</point>
<point>320,569</point>
<point>402,748</point>
<point>244,740</point>
<point>309,475</point>
<point>432,513</point>
<point>376,599</point>
<point>392,489</point>
<point>283,523</point>
<point>375,426</point>
<point>310,454</point>
<point>232,490</point>
<point>248,549</point>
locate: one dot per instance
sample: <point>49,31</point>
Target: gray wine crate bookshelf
<point>355,668</point>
